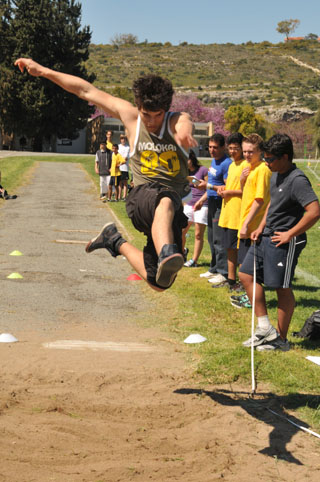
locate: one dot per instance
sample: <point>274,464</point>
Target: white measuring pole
<point>253,382</point>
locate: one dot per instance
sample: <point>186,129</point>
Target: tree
<point>288,26</point>
<point>124,39</point>
<point>198,112</point>
<point>243,119</point>
<point>50,32</point>
<point>311,36</point>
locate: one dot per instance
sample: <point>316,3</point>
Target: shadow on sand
<point>283,431</point>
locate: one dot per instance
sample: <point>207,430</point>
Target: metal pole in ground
<point>253,384</point>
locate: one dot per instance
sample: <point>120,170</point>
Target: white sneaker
<point>262,336</point>
<point>277,344</point>
<point>217,279</point>
<point>207,274</point>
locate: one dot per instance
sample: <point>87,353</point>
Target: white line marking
<point>313,280</point>
<point>97,345</point>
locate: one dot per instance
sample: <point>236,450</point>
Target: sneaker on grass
<point>224,284</point>
<point>243,297</point>
<point>262,336</point>
<point>217,279</point>
<point>277,344</point>
<point>207,274</point>
<point>237,287</point>
<point>243,303</point>
<point>169,263</point>
<point>108,238</point>
<point>190,264</point>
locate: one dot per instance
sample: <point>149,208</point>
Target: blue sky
<point>198,21</point>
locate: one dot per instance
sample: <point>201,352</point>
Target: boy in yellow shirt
<point>255,182</point>
<point>231,194</point>
<point>115,172</point>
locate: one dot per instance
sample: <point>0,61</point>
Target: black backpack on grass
<point>311,328</point>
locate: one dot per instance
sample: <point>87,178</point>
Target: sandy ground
<point>92,391</point>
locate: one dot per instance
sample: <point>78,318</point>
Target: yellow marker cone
<point>16,253</point>
<point>14,276</point>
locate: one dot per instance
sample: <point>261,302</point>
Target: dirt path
<point>127,406</point>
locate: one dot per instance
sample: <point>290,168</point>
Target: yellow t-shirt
<point>117,159</point>
<point>231,206</point>
<point>109,145</point>
<point>257,186</point>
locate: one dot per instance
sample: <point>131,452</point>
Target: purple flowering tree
<point>200,113</point>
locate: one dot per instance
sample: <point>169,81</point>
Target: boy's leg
<point>136,259</point>
<point>109,192</point>
<point>232,255</point>
<point>260,300</point>
<point>198,240</point>
<point>161,229</point>
<point>286,305</point>
<point>170,260</point>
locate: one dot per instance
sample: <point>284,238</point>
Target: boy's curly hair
<point>153,93</point>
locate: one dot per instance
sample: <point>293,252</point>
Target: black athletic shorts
<point>141,205</point>
<point>114,181</point>
<point>244,246</point>
<point>229,238</point>
<point>275,266</point>
<point>124,176</point>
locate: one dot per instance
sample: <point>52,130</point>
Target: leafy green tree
<point>287,27</point>
<point>49,31</point>
<point>124,39</point>
<point>123,93</point>
<point>243,119</point>
<point>311,36</point>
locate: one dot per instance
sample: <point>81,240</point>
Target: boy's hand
<point>198,205</point>
<point>185,140</point>
<point>281,238</point>
<point>245,173</point>
<point>32,67</point>
<point>255,235</point>
<point>243,232</point>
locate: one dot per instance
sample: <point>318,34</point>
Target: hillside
<point>264,75</point>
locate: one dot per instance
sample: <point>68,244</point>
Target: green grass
<point>192,306</point>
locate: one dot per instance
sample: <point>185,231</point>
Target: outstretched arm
<point>118,108</point>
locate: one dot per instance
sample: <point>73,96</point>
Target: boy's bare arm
<point>182,128</point>
<point>118,108</point>
<point>311,216</point>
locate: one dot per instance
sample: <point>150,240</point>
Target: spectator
<point>231,194</point>
<point>4,194</point>
<point>255,181</point>
<point>115,172</point>
<point>124,150</point>
<point>217,175</point>
<point>280,237</point>
<point>102,167</point>
<point>198,218</point>
<point>109,142</point>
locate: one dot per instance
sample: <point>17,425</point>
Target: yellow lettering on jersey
<point>150,162</point>
<point>170,161</point>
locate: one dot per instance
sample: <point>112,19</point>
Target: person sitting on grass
<point>198,218</point>
<point>280,238</point>
<point>4,194</point>
<point>159,142</point>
